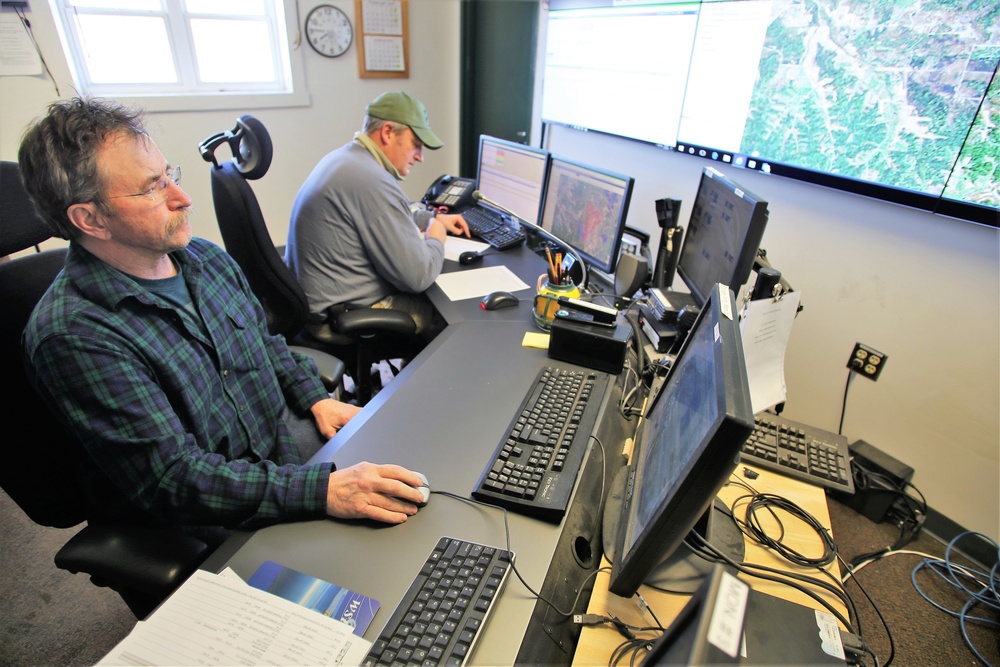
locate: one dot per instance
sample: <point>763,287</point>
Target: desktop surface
<point>443,416</point>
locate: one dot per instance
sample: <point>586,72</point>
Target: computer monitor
<point>586,207</point>
<point>723,234</point>
<point>685,448</point>
<point>512,175</point>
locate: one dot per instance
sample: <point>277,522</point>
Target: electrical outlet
<point>866,361</point>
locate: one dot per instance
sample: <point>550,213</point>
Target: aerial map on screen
<point>588,214</point>
<point>858,88</point>
<point>894,99</point>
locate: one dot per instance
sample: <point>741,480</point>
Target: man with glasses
<point>353,241</point>
<point>155,354</point>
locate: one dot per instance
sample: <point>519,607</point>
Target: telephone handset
<point>450,192</point>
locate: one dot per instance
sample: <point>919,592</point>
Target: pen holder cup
<point>547,301</point>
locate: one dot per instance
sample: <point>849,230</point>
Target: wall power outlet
<point>867,361</point>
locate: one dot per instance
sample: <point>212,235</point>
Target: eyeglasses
<point>152,194</point>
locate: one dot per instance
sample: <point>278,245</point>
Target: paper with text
<point>220,620</point>
<point>766,327</point>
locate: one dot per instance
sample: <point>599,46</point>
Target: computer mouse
<point>470,257</point>
<point>424,489</point>
<point>497,300</point>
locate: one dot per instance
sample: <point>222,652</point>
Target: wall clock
<point>329,31</point>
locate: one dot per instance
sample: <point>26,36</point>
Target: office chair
<point>364,336</point>
<point>142,564</point>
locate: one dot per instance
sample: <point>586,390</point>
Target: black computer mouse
<point>497,300</point>
<point>470,257</point>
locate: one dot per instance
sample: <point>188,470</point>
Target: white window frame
<point>170,97</point>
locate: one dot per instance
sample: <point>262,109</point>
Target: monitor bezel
<point>716,456</point>
<point>606,266</point>
<point>512,145</point>
<point>749,246</point>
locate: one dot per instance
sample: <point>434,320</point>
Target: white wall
<point>922,289</point>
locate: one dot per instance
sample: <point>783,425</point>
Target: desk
<point>598,642</point>
<point>443,416</point>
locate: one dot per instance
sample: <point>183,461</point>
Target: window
<point>181,54</point>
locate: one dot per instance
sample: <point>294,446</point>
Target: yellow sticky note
<point>535,339</point>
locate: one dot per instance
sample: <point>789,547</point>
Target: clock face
<point>329,31</point>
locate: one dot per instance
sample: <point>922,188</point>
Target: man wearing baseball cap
<point>353,241</point>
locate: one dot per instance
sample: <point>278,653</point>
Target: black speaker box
<point>631,274</point>
<point>595,346</point>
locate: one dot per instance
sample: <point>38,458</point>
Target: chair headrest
<point>250,144</point>
<point>20,225</point>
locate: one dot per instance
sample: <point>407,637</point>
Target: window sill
<point>217,102</point>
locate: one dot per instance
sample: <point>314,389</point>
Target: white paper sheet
<point>766,327</point>
<point>474,283</point>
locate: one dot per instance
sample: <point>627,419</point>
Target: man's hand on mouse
<point>384,493</point>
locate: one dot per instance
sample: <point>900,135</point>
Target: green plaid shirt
<point>180,420</point>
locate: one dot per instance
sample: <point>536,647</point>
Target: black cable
<point>756,533</point>
<point>752,528</point>
<point>881,618</point>
<point>843,405</point>
<point>513,565</point>
<point>31,35</point>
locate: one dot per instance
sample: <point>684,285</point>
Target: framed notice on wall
<point>384,46</point>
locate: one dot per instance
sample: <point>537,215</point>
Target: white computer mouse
<point>424,489</point>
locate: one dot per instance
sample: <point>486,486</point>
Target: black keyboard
<point>493,228</point>
<point>804,452</point>
<point>440,617</point>
<point>535,466</point>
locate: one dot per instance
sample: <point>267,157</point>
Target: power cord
<point>843,404</point>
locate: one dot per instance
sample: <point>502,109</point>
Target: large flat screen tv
<point>896,100</point>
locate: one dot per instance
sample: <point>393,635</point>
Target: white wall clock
<point>329,31</point>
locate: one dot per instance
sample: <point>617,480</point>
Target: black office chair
<point>142,564</point>
<point>364,336</point>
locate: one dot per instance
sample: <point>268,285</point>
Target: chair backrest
<point>37,454</point>
<point>22,228</point>
<point>244,231</point>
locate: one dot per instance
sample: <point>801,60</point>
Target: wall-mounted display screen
<point>894,100</point>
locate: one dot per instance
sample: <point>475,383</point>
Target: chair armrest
<point>365,321</point>
<point>331,369</point>
<point>151,560</point>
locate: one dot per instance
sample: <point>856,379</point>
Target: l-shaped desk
<point>443,416</point>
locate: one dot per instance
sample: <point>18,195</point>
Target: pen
<point>553,274</point>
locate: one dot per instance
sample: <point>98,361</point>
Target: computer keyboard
<point>493,228</point>
<point>439,619</point>
<point>800,451</point>
<point>535,466</point>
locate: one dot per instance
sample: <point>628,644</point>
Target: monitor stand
<point>684,570</point>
